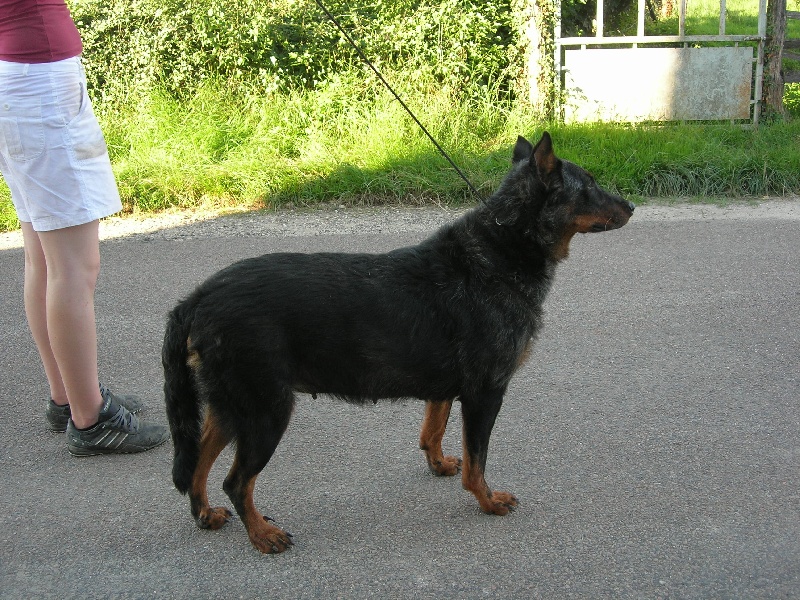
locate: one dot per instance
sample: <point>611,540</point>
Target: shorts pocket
<point>22,132</point>
<point>84,131</point>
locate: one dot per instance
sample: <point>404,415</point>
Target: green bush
<point>286,44</point>
<point>791,99</point>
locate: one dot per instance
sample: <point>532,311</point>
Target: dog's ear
<point>522,150</point>
<point>546,161</point>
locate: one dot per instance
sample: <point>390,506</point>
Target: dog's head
<point>553,199</point>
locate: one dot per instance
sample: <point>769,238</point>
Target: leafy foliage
<point>578,16</point>
<point>791,99</point>
<point>285,44</point>
<point>261,103</point>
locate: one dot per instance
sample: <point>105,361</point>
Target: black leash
<point>399,99</point>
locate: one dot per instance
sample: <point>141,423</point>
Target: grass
<point>350,142</point>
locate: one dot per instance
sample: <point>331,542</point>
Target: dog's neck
<point>500,252</point>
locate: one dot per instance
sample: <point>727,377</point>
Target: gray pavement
<point>653,439</point>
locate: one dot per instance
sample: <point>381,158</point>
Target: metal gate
<point>662,78</point>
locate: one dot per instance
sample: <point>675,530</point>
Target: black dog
<point>451,318</point>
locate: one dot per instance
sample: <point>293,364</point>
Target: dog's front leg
<point>239,485</point>
<point>430,439</point>
<point>479,414</point>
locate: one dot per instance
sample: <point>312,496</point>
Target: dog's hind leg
<point>212,441</point>
<point>479,415</point>
<point>254,448</point>
<point>430,438</point>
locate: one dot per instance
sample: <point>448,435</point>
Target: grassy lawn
<point>309,147</point>
<point>350,142</point>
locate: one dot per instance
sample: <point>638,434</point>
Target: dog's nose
<point>631,206</point>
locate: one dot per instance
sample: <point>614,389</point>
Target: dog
<point>451,318</point>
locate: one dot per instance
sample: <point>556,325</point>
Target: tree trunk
<point>772,99</point>
<point>535,22</point>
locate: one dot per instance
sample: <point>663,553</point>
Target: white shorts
<point>52,152</point>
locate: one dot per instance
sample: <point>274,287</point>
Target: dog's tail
<point>180,395</point>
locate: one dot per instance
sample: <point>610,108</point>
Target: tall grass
<point>350,142</point>
<point>694,161</point>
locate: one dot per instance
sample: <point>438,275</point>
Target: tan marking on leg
<point>472,479</point>
<point>526,354</point>
<point>212,442</point>
<point>430,439</point>
<point>264,536</point>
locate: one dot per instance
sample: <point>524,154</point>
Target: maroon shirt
<point>37,31</point>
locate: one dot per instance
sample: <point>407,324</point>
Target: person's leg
<point>72,259</point>
<point>99,422</point>
<point>61,182</point>
<point>35,297</point>
<point>36,311</point>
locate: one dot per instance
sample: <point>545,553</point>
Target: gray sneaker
<point>57,416</point>
<point>118,431</point>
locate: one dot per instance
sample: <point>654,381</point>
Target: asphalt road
<point>653,439</point>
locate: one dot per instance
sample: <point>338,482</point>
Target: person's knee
<point>72,256</point>
<point>35,263</point>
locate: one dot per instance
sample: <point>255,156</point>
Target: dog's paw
<point>269,539</point>
<point>446,467</point>
<point>213,518</point>
<point>499,503</point>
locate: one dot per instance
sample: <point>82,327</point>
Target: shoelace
<point>123,419</point>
